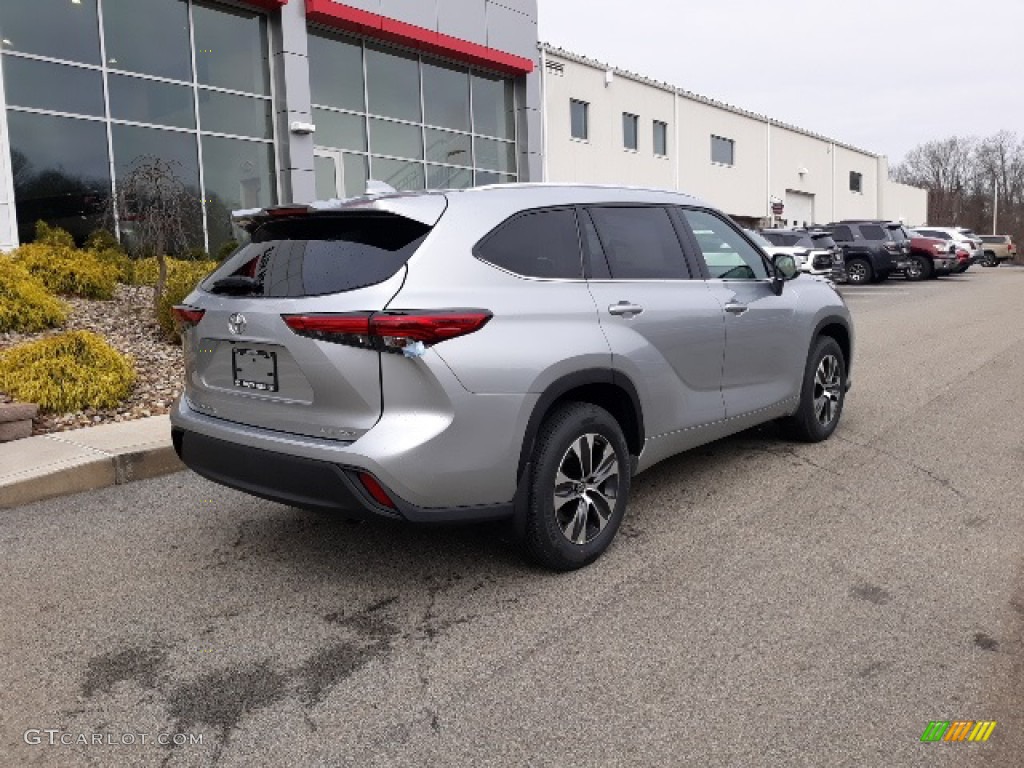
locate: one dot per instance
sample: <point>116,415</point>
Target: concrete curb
<point>60,464</point>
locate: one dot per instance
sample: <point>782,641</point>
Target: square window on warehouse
<point>630,130</point>
<point>660,138</point>
<point>199,104</point>
<point>406,119</point>
<point>723,150</point>
<point>856,182</point>
<point>579,119</point>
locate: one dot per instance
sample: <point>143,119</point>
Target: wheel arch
<point>608,389</point>
<point>835,328</point>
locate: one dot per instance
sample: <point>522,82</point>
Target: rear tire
<point>579,487</point>
<point>990,260</point>
<point>919,269</point>
<point>822,394</point>
<point>859,272</point>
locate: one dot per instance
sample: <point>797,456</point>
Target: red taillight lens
<point>389,331</point>
<point>375,489</point>
<point>186,317</point>
<point>428,327</point>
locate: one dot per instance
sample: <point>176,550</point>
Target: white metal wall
<point>771,160</point>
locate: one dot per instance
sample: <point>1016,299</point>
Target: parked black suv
<point>872,249</point>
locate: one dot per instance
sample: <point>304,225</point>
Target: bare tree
<point>156,206</point>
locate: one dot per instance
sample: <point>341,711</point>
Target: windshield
<point>758,238</point>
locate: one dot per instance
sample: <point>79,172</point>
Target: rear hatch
<point>249,361</point>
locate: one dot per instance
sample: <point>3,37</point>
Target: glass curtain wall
<point>408,120</point>
<point>96,87</point>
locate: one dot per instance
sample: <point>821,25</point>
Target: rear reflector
<point>186,317</point>
<point>375,489</point>
<point>389,331</point>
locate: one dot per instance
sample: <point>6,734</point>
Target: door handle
<point>625,309</point>
<point>736,308</point>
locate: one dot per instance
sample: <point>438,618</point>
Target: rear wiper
<point>236,285</point>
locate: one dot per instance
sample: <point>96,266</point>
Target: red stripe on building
<point>373,25</point>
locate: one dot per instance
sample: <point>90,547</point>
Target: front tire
<point>918,269</point>
<point>579,487</point>
<point>822,394</point>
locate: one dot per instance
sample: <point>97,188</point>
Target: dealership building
<point>256,102</point>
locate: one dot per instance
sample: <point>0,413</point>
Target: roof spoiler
<point>251,218</point>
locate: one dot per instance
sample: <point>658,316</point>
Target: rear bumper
<point>297,481</point>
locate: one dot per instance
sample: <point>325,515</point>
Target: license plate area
<point>254,369</point>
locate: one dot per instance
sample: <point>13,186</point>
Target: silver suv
<point>513,352</point>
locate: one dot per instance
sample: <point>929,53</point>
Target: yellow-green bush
<point>117,259</point>
<point>48,235</point>
<point>180,282</point>
<point>25,304</point>
<point>67,372</point>
<point>66,270</point>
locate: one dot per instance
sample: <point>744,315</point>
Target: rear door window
<point>639,243</point>
<point>536,244</point>
<point>319,255</point>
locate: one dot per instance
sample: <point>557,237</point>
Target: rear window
<point>822,242</point>
<point>319,255</point>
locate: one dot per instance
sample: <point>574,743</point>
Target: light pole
<point>995,205</point>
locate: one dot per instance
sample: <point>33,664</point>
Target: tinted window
<point>842,234</point>
<point>494,106</point>
<point>640,243</point>
<point>148,36</point>
<point>660,138</point>
<point>393,84</point>
<point>336,73</point>
<point>61,173</point>
<point>446,96</point>
<point>993,238</point>
<point>231,49</point>
<point>897,234</point>
<point>448,148</point>
<point>494,155</point>
<point>727,255</point>
<point>723,150</point>
<point>541,244</point>
<point>150,101</point>
<point>42,85</point>
<point>54,28</point>
<point>873,232</point>
<point>340,129</point>
<point>822,241</point>
<point>629,130</point>
<point>313,256</point>
<point>396,139</point>
<point>578,119</point>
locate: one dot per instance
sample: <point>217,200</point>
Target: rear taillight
<point>186,317</point>
<point>389,331</point>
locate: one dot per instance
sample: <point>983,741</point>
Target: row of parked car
<point>866,251</point>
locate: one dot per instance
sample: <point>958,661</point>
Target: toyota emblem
<point>236,323</point>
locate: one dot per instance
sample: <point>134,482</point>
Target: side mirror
<point>785,269</point>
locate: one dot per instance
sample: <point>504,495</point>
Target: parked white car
<point>813,252</point>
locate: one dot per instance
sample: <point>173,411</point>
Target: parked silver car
<point>515,352</point>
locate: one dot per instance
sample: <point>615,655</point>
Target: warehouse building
<point>606,125</point>
<point>258,102</point>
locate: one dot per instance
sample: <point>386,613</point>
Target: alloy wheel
<point>827,390</point>
<point>586,487</point>
<point>856,273</point>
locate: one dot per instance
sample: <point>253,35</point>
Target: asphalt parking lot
<point>765,604</point>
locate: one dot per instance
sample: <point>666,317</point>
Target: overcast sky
<point>883,75</point>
